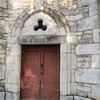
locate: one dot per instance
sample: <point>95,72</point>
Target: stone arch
<point>54,13</point>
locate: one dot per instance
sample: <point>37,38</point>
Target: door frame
<point>13,84</point>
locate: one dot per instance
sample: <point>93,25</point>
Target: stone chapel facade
<point>73,24</point>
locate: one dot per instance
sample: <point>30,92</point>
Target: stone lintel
<point>41,39</point>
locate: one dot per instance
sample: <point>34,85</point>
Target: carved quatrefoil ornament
<point>40,25</point>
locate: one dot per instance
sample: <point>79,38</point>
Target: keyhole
<point>40,25</point>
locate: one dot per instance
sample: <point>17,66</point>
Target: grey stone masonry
<point>2,71</point>
<point>2,95</point>
<point>73,24</point>
<point>88,23</point>
<point>11,96</point>
<point>3,3</point>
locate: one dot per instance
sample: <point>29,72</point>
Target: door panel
<point>50,79</point>
<point>40,73</point>
<point>29,74</point>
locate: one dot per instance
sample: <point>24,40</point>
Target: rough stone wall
<point>83,18</point>
<point>88,51</point>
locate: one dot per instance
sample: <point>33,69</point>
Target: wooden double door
<point>40,73</point>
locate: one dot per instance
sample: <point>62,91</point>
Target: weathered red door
<point>40,73</point>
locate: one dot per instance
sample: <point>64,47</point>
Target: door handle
<point>42,69</point>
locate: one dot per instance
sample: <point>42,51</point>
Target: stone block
<point>62,31</point>
<point>13,76</point>
<point>50,2</point>
<point>3,3</point>
<point>2,72</point>
<point>63,76</point>
<point>13,62</point>
<point>39,6</point>
<point>80,98</point>
<point>72,76</point>
<point>96,92</point>
<point>12,96</point>
<point>93,9</point>
<point>86,2</point>
<point>71,39</point>
<point>71,61</point>
<point>16,32</point>
<point>65,48</point>
<point>73,18</point>
<point>2,48</point>
<point>95,61</point>
<point>73,90</point>
<point>88,76</point>
<point>85,9</point>
<point>83,64</point>
<point>86,14</point>
<point>87,49</point>
<point>96,35</point>
<point>83,88</point>
<point>14,49</point>
<point>17,5</point>
<point>89,32</point>
<point>66,98</point>
<point>63,62</point>
<point>88,23</point>
<point>4,26</point>
<point>30,10</point>
<point>76,33</point>
<point>2,94</point>
<point>12,87</point>
<point>63,88</point>
<point>82,93</point>
<point>11,40</point>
